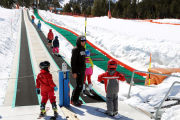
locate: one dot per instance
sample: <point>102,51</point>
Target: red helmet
<point>112,64</point>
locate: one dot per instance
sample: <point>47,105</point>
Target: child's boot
<point>54,107</point>
<point>90,88</point>
<point>109,113</point>
<point>84,86</point>
<point>43,111</point>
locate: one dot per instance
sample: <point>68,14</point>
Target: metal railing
<point>132,82</point>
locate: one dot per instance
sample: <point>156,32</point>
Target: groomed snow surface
<point>129,41</point>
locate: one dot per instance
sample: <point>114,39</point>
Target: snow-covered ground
<point>9,24</point>
<point>126,40</point>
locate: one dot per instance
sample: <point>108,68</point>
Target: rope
<point>26,76</point>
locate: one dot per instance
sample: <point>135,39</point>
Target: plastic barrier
<point>157,79</point>
<point>64,89</point>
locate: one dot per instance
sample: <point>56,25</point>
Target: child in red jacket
<point>45,84</point>
<point>50,38</point>
<point>111,81</point>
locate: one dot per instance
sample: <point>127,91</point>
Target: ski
<point>118,116</point>
<point>46,109</point>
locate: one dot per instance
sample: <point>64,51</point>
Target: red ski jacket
<point>50,35</point>
<point>33,17</point>
<point>44,81</point>
<point>111,82</point>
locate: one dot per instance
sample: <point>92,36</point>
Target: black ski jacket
<point>78,58</point>
<point>55,42</point>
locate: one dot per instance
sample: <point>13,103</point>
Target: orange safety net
<point>157,79</point>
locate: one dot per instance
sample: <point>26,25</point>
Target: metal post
<point>131,83</point>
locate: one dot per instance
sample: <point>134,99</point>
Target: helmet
<point>44,65</point>
<point>53,118</point>
<point>112,64</point>
<point>56,37</point>
<point>87,53</point>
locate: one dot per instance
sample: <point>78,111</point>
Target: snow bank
<point>8,38</point>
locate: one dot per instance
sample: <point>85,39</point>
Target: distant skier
<point>50,37</point>
<point>45,85</point>
<point>111,80</point>
<point>78,68</point>
<point>39,25</point>
<point>32,18</point>
<point>88,72</point>
<point>56,45</point>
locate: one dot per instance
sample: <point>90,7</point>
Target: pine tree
<point>76,9</point>
<point>96,10</point>
<point>67,8</point>
<point>89,10</point>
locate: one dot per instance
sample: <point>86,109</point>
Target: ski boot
<point>54,107</point>
<point>115,113</point>
<point>83,91</point>
<point>111,113</point>
<point>90,89</point>
<point>76,103</point>
<point>43,111</point>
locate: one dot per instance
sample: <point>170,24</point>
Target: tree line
<point>150,9</point>
<point>121,9</point>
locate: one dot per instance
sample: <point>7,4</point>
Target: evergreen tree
<point>96,10</point>
<point>89,10</point>
<point>84,10</point>
<point>67,8</point>
<point>76,9</point>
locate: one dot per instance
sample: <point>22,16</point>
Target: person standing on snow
<point>111,81</point>
<point>56,45</point>
<point>50,37</point>
<point>32,18</point>
<point>88,72</point>
<point>39,25</point>
<point>45,84</point>
<point>78,67</point>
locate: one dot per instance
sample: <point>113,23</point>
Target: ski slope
<point>126,40</point>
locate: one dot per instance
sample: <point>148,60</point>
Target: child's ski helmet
<point>44,65</point>
<point>112,64</point>
<point>56,37</point>
<point>87,53</point>
<point>53,118</point>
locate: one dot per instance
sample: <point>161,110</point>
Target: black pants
<point>79,85</point>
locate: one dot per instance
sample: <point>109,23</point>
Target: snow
<point>129,41</point>
<point>8,38</point>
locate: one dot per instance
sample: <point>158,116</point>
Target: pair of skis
<point>118,116</point>
<point>43,115</point>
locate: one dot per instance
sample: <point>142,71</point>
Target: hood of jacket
<point>50,30</point>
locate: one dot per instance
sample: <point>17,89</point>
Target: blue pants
<point>39,27</point>
<point>32,21</point>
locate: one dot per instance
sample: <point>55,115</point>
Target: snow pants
<point>112,102</point>
<point>79,86</point>
<point>55,49</point>
<point>39,27</point>
<point>88,78</point>
<point>48,95</point>
<point>32,21</point>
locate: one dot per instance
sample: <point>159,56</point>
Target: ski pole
<point>149,68</point>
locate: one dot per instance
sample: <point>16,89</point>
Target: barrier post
<point>64,89</point>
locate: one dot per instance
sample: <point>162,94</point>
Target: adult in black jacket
<point>78,68</point>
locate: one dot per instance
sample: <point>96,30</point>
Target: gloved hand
<point>37,91</point>
<point>55,88</point>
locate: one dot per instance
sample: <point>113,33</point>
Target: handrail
<point>132,82</point>
<point>156,115</point>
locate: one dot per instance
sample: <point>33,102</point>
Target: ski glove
<point>37,91</point>
<point>55,88</point>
